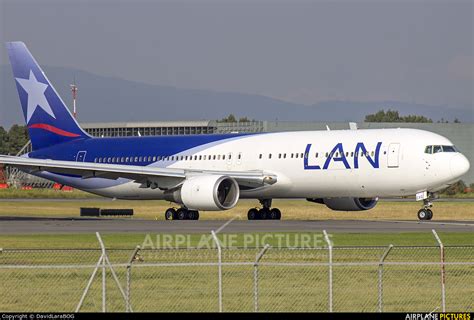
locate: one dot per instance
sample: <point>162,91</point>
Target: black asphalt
<point>35,225</point>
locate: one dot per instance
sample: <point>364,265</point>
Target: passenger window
<point>260,156</point>
<point>239,156</point>
<point>296,155</point>
<point>279,156</point>
<point>223,157</point>
<point>437,149</point>
<point>269,156</point>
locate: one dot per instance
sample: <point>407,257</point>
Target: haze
<point>298,51</point>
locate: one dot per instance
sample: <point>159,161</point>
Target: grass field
<point>282,287</point>
<point>12,193</point>
<point>291,210</point>
<point>130,240</point>
<point>289,285</point>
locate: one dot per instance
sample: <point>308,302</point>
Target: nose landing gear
<point>425,213</point>
<point>265,213</point>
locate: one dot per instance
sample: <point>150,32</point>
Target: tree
<point>244,119</point>
<point>230,118</point>
<point>3,141</point>
<point>17,138</point>
<point>455,188</point>
<point>394,116</point>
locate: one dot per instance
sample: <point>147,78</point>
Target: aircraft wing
<point>163,178</point>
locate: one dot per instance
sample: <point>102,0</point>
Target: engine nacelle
<point>347,204</point>
<point>207,192</point>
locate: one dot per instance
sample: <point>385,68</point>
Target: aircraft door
<point>393,155</point>
<point>81,156</point>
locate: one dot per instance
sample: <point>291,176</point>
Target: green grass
<point>39,193</point>
<point>130,240</point>
<point>291,210</point>
<point>194,288</point>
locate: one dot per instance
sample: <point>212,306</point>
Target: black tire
<point>430,214</point>
<point>252,214</point>
<point>182,214</point>
<point>275,214</point>
<point>196,215</point>
<point>264,213</point>
<point>170,214</point>
<point>190,215</point>
<point>422,214</point>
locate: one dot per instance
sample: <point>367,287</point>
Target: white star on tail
<point>36,97</point>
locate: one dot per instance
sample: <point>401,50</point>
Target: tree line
<point>394,116</point>
<point>13,140</point>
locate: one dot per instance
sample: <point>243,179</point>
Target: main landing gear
<point>264,213</point>
<point>181,214</point>
<point>425,213</point>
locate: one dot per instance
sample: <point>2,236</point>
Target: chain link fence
<point>358,279</point>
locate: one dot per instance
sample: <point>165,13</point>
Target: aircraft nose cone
<point>459,165</point>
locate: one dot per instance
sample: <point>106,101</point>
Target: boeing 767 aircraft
<point>345,170</point>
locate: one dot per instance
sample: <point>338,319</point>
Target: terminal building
<point>461,134</point>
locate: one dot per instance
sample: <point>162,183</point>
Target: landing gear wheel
<point>170,214</point>
<point>430,214</point>
<point>264,213</point>
<point>423,214</point>
<point>182,214</point>
<point>192,215</point>
<point>275,214</point>
<point>252,214</point>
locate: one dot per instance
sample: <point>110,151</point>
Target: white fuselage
<point>399,167</point>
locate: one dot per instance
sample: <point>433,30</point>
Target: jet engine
<point>347,204</point>
<point>207,192</point>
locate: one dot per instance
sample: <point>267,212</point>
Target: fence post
<point>219,265</point>
<point>255,275</point>
<point>443,277</point>
<point>382,259</point>
<point>129,274</point>
<point>102,246</point>
<point>326,237</point>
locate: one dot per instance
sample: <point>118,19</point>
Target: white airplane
<point>345,170</point>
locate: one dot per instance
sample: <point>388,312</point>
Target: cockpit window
<point>449,149</point>
<point>438,149</point>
